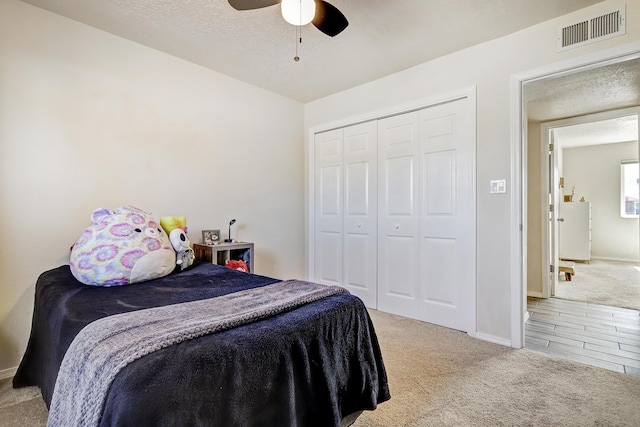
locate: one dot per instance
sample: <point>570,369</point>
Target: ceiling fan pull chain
<point>298,33</point>
<point>298,41</point>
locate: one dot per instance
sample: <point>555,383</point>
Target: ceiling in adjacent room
<point>610,87</point>
<point>609,131</point>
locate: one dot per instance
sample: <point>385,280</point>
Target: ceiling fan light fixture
<point>298,12</point>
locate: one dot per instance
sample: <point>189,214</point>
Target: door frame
<point>546,129</point>
<point>518,224</point>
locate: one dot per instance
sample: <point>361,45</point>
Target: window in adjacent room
<point>630,186</point>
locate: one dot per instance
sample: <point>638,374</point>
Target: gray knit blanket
<point>109,344</point>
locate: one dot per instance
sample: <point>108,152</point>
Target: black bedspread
<point>310,366</point>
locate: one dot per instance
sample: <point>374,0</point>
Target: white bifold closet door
<point>345,234</point>
<point>426,215</point>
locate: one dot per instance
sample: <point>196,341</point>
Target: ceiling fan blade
<point>329,19</point>
<point>251,4</point>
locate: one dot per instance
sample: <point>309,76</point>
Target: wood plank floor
<point>607,337</point>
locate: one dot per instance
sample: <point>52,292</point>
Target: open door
<point>551,195</point>
<point>554,186</point>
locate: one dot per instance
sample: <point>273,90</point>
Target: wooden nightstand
<point>221,252</point>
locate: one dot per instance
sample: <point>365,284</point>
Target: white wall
<point>490,67</point>
<point>91,120</point>
<point>595,173</point>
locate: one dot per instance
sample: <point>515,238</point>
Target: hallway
<point>597,335</point>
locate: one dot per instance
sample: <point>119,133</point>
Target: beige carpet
<point>611,283</point>
<point>441,377</point>
<point>21,407</point>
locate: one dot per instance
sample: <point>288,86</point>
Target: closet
<point>394,212</point>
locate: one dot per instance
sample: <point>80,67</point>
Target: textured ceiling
<point>610,87</point>
<point>258,46</point>
<point>608,131</point>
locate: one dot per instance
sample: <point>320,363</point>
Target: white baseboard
<point>493,339</point>
<point>8,373</point>
<point>534,294</point>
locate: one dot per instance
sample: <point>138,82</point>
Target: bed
<point>317,363</point>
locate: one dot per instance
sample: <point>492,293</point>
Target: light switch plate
<point>498,186</point>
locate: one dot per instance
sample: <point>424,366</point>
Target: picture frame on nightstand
<point>210,237</point>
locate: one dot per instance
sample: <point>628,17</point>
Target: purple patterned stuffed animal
<point>121,246</point>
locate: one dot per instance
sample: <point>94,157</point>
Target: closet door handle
<point>397,226</point>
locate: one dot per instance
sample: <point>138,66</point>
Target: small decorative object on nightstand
<point>222,252</point>
<point>229,239</point>
<point>210,237</point>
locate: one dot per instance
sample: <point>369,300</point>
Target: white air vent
<point>592,30</point>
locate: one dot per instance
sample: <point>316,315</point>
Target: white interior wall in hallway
<point>594,171</point>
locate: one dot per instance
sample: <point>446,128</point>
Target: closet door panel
<point>439,191</point>
<point>398,220</point>
<point>401,268</point>
<point>447,218</point>
<point>328,232</point>
<point>329,257</point>
<point>360,211</point>
<point>356,272</point>
<point>330,180</point>
<point>439,263</point>
<point>400,186</point>
<point>357,181</point>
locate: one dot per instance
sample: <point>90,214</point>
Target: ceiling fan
<point>324,16</point>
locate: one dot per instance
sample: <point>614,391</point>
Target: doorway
<point>581,76</point>
<point>587,228</point>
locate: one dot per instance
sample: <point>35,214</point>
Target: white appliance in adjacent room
<point>574,231</point>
